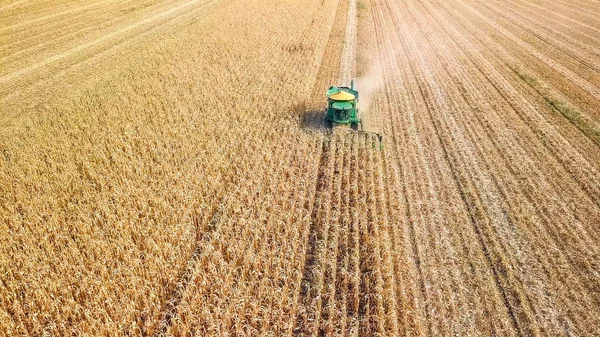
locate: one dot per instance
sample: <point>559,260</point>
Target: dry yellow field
<point>164,170</point>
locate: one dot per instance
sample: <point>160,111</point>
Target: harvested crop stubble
<point>496,140</point>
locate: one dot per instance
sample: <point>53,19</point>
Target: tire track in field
<point>53,15</point>
<point>37,79</point>
<point>475,220</point>
<point>41,42</point>
<point>420,320</point>
<point>414,315</point>
<point>214,229</point>
<point>478,141</point>
<point>304,312</point>
<point>328,269</point>
<point>12,4</point>
<point>377,214</point>
<point>307,315</point>
<point>586,5</point>
<point>396,172</point>
<point>309,206</point>
<point>102,18</point>
<point>394,292</point>
<point>350,288</point>
<point>348,60</point>
<point>431,99</point>
<point>384,40</point>
<point>476,205</point>
<point>33,8</point>
<point>551,21</point>
<point>550,212</point>
<point>82,47</point>
<point>204,238</point>
<point>478,63</point>
<point>354,267</point>
<point>420,180</point>
<point>564,53</point>
<point>465,239</point>
<point>342,274</point>
<point>292,195</point>
<point>584,170</point>
<point>584,84</point>
<point>481,199</point>
<point>564,17</point>
<point>452,99</point>
<point>169,310</point>
<point>504,59</point>
<point>366,266</point>
<point>577,13</point>
<point>322,293</point>
<point>460,81</point>
<point>334,271</point>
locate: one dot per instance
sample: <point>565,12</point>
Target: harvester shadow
<point>314,120</point>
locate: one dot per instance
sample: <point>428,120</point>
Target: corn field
<point>165,168</point>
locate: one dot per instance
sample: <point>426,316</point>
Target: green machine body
<point>342,105</point>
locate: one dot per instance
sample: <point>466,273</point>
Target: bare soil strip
<point>348,60</point>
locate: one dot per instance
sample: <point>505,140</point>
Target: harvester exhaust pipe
<point>352,84</point>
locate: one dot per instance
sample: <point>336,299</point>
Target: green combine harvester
<point>342,106</point>
<point>342,109</point>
